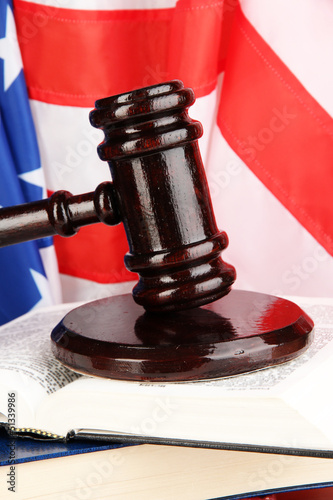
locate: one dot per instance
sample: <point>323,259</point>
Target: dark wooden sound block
<point>242,332</point>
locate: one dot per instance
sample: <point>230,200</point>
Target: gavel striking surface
<point>241,332</point>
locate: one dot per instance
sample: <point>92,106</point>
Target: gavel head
<point>151,145</point>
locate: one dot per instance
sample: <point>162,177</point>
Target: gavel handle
<point>62,213</point>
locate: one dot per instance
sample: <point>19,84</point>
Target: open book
<point>286,408</point>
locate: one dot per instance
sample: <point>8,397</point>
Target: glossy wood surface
<point>244,331</point>
<point>62,214</point>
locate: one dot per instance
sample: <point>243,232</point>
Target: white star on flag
<point>35,177</point>
<point>10,52</point>
<point>43,286</point>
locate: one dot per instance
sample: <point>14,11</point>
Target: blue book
<point>51,470</point>
<point>20,450</point>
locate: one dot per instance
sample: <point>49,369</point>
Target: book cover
<point>83,470</point>
<point>21,450</point>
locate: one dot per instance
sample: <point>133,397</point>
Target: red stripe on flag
<point>279,130</point>
<point>96,253</point>
<point>74,57</point>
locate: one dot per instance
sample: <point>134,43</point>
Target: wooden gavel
<point>158,191</point>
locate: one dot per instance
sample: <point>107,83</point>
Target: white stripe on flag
<point>271,250</point>
<point>107,4</point>
<point>79,289</point>
<point>68,145</point>
<point>300,33</point>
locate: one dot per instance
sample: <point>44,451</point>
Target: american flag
<point>263,78</point>
<point>262,74</point>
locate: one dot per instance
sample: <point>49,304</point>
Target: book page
<point>309,388</point>
<point>27,365</point>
